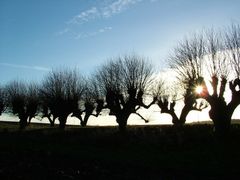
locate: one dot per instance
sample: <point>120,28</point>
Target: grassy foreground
<point>144,152</point>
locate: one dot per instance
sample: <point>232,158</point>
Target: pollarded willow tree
<point>22,100</point>
<point>60,94</point>
<point>215,64</point>
<point>123,82</point>
<point>91,101</point>
<point>223,58</point>
<point>186,61</point>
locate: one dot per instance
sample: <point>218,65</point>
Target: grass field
<point>144,152</point>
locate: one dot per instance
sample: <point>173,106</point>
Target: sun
<point>199,89</point>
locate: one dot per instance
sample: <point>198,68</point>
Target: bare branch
<point>187,58</point>
<point>232,43</point>
<point>124,83</point>
<point>61,91</point>
<point>216,60</point>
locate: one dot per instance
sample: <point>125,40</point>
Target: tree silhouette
<point>185,61</point>
<point>23,100</point>
<point>220,56</point>
<point>167,100</point>
<point>123,82</point>
<point>91,100</point>
<point>61,92</point>
<point>211,58</point>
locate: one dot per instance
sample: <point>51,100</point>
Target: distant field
<point>144,152</point>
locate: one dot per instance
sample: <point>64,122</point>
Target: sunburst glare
<point>199,89</point>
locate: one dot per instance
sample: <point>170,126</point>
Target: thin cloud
<point>106,11</point>
<point>103,11</point>
<point>85,16</point>
<point>91,34</point>
<point>64,31</point>
<point>117,7</point>
<point>38,68</point>
<point>104,29</point>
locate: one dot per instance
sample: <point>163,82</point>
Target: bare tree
<point>91,101</point>
<point>61,92</point>
<point>123,82</point>
<point>221,110</point>
<point>186,61</point>
<point>217,68</point>
<point>167,101</point>
<point>23,100</point>
<point>214,62</point>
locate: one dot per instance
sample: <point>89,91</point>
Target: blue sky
<point>36,36</point>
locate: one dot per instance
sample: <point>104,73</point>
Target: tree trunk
<point>122,126</point>
<point>30,118</point>
<point>182,120</point>
<point>23,120</point>
<point>185,111</point>
<point>221,119</point>
<point>175,119</point>
<point>62,122</point>
<point>122,121</point>
<point>52,121</point>
<point>85,120</point>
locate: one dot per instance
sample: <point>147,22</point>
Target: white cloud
<point>66,30</point>
<point>91,34</point>
<point>104,29</point>
<point>102,12</point>
<point>38,68</point>
<point>85,16</point>
<point>117,7</point>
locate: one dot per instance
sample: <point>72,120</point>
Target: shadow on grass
<point>144,152</point>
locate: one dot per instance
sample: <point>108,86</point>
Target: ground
<point>143,152</point>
